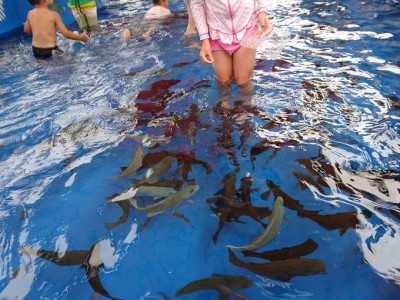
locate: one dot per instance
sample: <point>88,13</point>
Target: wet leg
<point>243,66</point>
<point>223,66</point>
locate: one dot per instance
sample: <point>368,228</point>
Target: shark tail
<point>234,259</point>
<point>134,203</point>
<point>242,248</point>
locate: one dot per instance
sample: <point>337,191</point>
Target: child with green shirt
<point>85,13</point>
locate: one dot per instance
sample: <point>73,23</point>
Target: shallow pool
<point>321,131</point>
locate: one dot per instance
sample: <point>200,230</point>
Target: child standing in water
<point>191,27</point>
<point>42,23</point>
<point>85,14</point>
<point>222,25</point>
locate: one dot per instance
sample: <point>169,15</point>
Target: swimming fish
<point>181,216</point>
<point>233,214</point>
<point>175,184</point>
<point>153,158</point>
<point>216,282</point>
<point>135,164</point>
<point>341,221</point>
<point>298,251</point>
<point>125,214</point>
<point>188,161</point>
<point>90,260</point>
<point>272,229</point>
<point>150,141</point>
<point>226,292</point>
<point>168,203</point>
<point>143,191</point>
<point>282,270</point>
<point>309,180</point>
<point>159,170</point>
<point>229,190</point>
<point>245,190</point>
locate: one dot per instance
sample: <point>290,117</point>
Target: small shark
<point>222,283</point>
<point>90,260</point>
<point>272,229</point>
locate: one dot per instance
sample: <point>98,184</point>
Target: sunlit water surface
<point>321,130</point>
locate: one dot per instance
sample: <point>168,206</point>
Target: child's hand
<point>84,37</point>
<point>205,52</point>
<point>126,33</point>
<point>263,21</point>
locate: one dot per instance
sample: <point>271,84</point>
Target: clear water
<point>323,128</point>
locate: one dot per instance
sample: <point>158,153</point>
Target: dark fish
<point>90,260</point>
<point>298,251</point>
<point>189,161</point>
<point>226,142</point>
<point>245,190</point>
<point>23,214</point>
<point>214,283</point>
<point>153,158</point>
<point>125,213</point>
<point>230,209</point>
<point>308,179</point>
<point>182,64</point>
<point>229,190</point>
<point>178,215</point>
<point>341,221</point>
<point>283,270</point>
<point>233,214</point>
<point>278,64</point>
<point>225,292</point>
<point>268,144</point>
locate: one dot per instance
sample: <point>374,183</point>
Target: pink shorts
<point>217,45</point>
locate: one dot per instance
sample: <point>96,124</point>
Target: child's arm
<point>262,13</point>
<point>68,34</point>
<point>27,25</point>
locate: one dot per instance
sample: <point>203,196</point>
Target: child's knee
<point>244,83</point>
<point>222,85</point>
<point>224,80</point>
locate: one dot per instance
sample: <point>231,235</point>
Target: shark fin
<point>97,286</point>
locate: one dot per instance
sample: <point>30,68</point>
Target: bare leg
<point>191,27</point>
<point>243,66</point>
<point>223,66</point>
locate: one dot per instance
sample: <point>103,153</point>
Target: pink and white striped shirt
<point>225,19</point>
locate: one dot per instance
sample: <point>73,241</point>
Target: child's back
<point>43,27</point>
<point>42,23</point>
